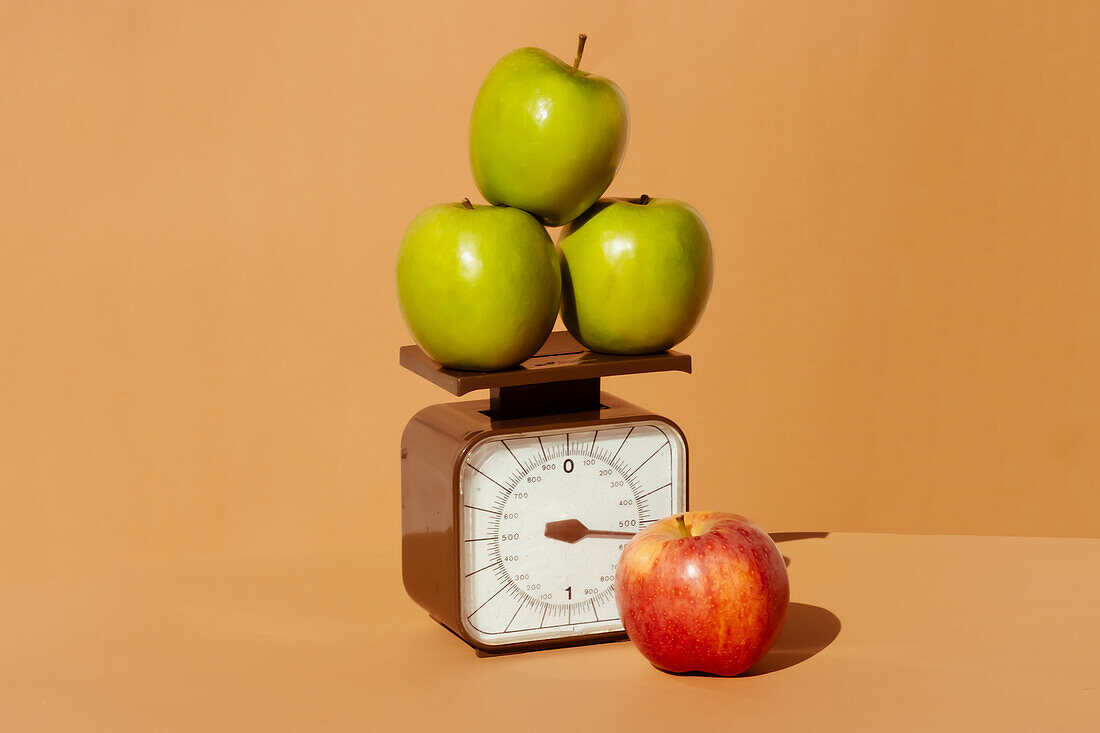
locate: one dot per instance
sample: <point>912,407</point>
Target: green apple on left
<point>636,274</point>
<point>479,286</point>
<point>545,136</point>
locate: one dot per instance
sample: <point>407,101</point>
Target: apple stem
<point>643,199</point>
<point>685,530</point>
<point>467,204</point>
<point>580,50</point>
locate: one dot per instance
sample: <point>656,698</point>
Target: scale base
<point>483,653</point>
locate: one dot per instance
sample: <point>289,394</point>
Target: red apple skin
<point>712,602</point>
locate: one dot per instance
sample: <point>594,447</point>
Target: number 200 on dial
<point>545,517</point>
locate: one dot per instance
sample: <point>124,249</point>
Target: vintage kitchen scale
<point>515,509</point>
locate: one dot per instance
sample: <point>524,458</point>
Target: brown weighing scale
<point>514,510</point>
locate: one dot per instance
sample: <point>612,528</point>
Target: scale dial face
<point>545,516</point>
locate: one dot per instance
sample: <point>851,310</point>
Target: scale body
<point>515,509</point>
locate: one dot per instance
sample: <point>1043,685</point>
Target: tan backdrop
<point>200,205</point>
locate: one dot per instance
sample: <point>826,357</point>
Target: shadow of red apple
<point>807,630</point>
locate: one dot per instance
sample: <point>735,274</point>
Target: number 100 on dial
<point>544,517</point>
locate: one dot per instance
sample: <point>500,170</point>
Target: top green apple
<point>545,136</point>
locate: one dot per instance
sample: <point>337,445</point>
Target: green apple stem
<point>580,50</point>
<point>643,199</point>
<point>682,525</point>
<point>467,204</point>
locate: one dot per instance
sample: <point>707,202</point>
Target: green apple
<point>546,137</point>
<point>479,286</point>
<point>636,274</point>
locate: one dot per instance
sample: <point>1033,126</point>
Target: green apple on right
<point>545,136</point>
<point>636,274</point>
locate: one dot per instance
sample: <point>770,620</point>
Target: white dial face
<point>545,517</point>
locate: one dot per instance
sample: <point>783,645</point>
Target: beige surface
<point>201,202</point>
<point>888,632</point>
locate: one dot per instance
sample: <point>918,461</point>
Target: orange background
<point>200,206</point>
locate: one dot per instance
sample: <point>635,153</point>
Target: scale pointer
<point>573,530</point>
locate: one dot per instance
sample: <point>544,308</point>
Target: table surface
<point>885,632</point>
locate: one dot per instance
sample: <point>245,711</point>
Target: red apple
<point>702,592</point>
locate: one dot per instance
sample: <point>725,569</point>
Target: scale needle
<point>573,530</point>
